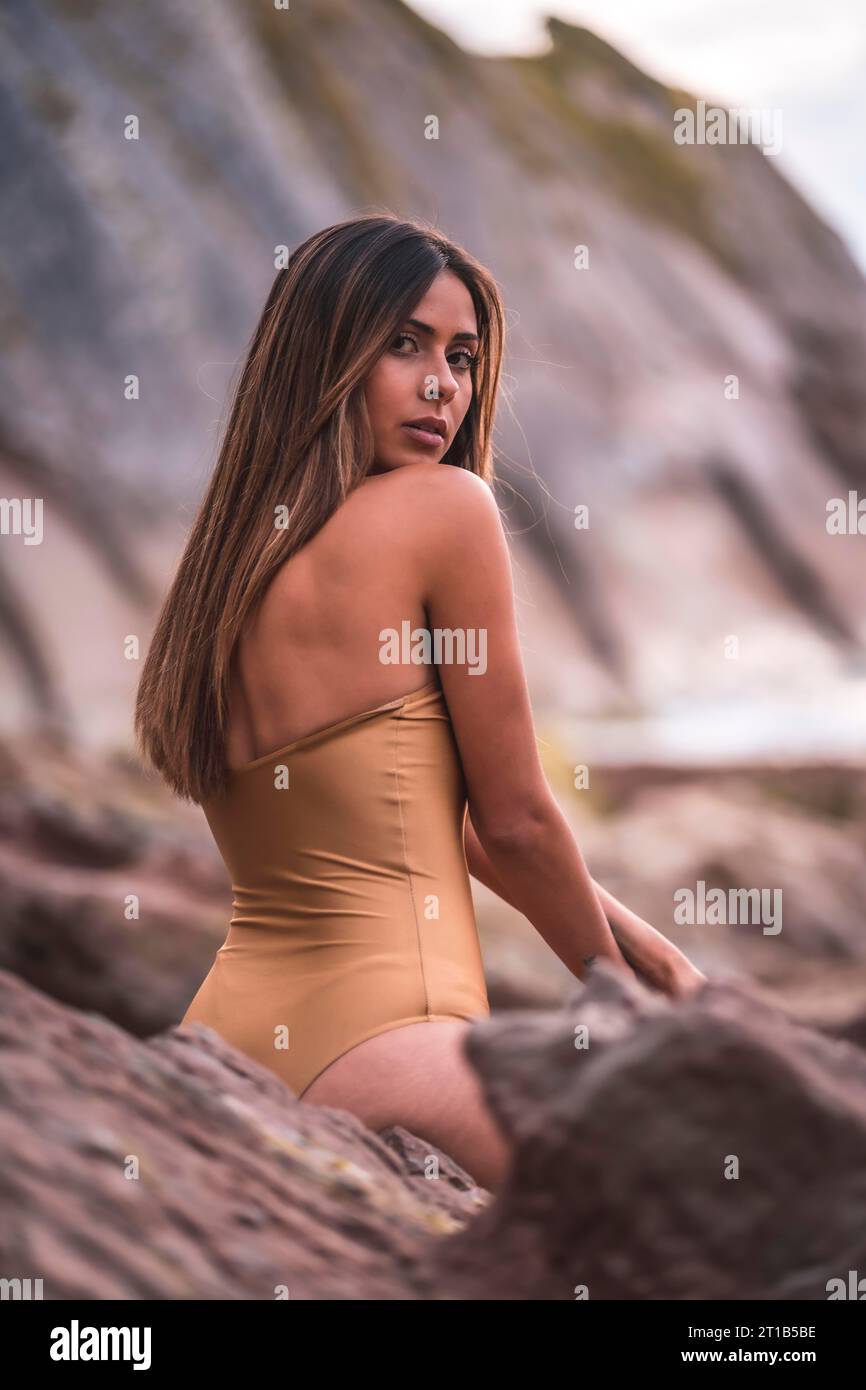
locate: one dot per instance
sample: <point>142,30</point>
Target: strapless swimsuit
<point>353,912</point>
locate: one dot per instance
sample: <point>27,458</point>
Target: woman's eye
<point>464,353</point>
<point>467,356</point>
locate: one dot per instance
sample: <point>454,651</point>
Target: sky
<point>806,59</point>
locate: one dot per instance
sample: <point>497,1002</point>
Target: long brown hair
<point>297,441</point>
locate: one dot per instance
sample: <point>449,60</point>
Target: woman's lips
<point>425,437</point>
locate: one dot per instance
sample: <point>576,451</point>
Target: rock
<point>177,1168</point>
<point>738,834</point>
<point>98,835</point>
<point>621,1182</point>
<point>114,906</point>
<point>75,944</point>
<point>704,266</point>
<point>189,1171</point>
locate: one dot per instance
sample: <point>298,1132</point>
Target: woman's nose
<point>440,385</point>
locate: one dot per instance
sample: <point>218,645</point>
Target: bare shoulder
<point>430,494</point>
<point>429,520</point>
<point>445,525</point>
<point>443,480</point>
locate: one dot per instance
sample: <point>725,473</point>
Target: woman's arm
<point>466,586</point>
<point>663,963</point>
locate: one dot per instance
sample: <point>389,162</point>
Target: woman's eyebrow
<point>425,328</point>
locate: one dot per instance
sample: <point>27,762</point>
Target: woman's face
<point>425,374</point>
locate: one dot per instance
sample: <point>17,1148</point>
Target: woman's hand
<point>655,961</point>
<point>685,979</point>
<point>671,973</point>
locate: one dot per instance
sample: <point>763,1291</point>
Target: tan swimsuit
<point>352,907</point>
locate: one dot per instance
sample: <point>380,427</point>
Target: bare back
<point>309,655</point>
<point>423,546</point>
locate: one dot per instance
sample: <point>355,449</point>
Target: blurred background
<point>686,361</point>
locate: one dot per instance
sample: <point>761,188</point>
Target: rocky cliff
<point>256,126</point>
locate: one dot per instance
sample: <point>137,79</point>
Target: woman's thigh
<point>417,1076</point>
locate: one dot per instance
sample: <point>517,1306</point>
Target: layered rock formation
<point>152,257</point>
<point>710,1149</point>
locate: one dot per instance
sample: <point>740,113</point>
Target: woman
<point>336,672</point>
